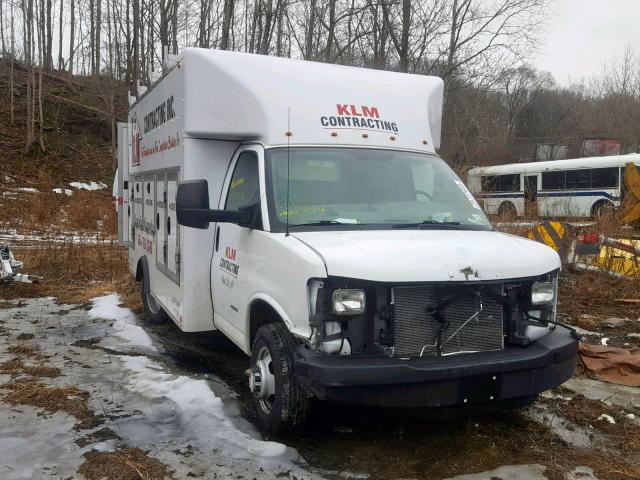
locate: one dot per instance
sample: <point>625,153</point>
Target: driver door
<point>234,249</point>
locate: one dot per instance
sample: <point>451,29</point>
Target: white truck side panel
<point>122,198</point>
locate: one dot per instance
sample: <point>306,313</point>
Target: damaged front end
<point>356,317</point>
<point>372,339</point>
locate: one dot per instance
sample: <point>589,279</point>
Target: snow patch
<point>508,472</point>
<point>88,186</point>
<point>66,191</point>
<point>584,331</point>
<point>28,189</point>
<point>607,418</point>
<point>202,418</point>
<point>32,446</point>
<point>125,326</point>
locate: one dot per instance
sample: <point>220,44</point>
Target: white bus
<point>579,187</point>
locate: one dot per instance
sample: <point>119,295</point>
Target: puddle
<point>572,434</point>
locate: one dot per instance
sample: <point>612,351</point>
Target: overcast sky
<point>582,33</point>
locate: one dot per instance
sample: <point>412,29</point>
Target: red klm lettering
<point>230,253</point>
<point>354,111</point>
<point>370,112</point>
<point>342,109</point>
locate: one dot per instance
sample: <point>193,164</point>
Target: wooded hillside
<point>67,64</point>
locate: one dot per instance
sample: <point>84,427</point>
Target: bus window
<point>577,179</point>
<point>604,177</point>
<point>501,183</point>
<point>553,180</point>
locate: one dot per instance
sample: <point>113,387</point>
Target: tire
<point>281,403</point>
<point>507,210</point>
<point>601,208</point>
<point>152,311</point>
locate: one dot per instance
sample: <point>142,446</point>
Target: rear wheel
<point>152,310</point>
<point>601,208</point>
<point>507,210</point>
<point>280,401</point>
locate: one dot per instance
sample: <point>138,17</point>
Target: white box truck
<point>300,208</point>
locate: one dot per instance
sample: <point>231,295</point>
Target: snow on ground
<point>509,472</point>
<point>88,186</point>
<point>191,423</point>
<point>27,450</point>
<point>38,240</point>
<point>125,327</point>
<point>66,191</point>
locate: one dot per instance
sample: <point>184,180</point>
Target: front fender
<point>297,330</point>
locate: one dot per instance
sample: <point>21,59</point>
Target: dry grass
<point>85,211</point>
<point>17,366</point>
<point>26,350</point>
<point>73,273</point>
<point>594,293</point>
<point>123,464</point>
<point>68,399</point>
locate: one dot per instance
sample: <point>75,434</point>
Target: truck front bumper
<point>512,373</point>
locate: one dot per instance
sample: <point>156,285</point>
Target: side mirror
<point>192,208</point>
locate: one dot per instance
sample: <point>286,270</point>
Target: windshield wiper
<point>321,223</point>
<point>425,222</point>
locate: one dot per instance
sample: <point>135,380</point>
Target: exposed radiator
<point>474,321</point>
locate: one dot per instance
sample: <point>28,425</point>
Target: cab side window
<point>244,188</point>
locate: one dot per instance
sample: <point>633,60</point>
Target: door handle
<point>217,239</point>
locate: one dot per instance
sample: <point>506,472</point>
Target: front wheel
<point>280,401</point>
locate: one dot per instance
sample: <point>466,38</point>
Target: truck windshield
<point>338,187</point>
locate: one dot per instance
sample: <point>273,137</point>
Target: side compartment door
<point>173,229</point>
<point>122,199</point>
<point>137,199</point>
<point>161,221</point>
<point>149,202</point>
<point>234,250</point>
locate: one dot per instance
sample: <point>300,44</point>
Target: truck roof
<point>241,96</point>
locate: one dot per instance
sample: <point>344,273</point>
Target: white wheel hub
<point>262,382</point>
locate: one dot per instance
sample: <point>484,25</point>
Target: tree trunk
<point>136,43</point>
<point>11,69</point>
<point>279,28</point>
<point>2,44</point>
<point>404,37</point>
<point>60,36</point>
<point>72,31</point>
<point>49,37</point>
<point>98,34</point>
<point>92,36</point>
<point>328,53</point>
<point>227,18</point>
<point>308,46</point>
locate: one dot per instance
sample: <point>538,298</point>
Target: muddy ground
<point>566,434</point>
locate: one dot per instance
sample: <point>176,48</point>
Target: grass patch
<point>123,464</point>
<point>17,367</point>
<point>68,399</point>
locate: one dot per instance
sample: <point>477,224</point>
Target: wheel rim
<point>262,382</point>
